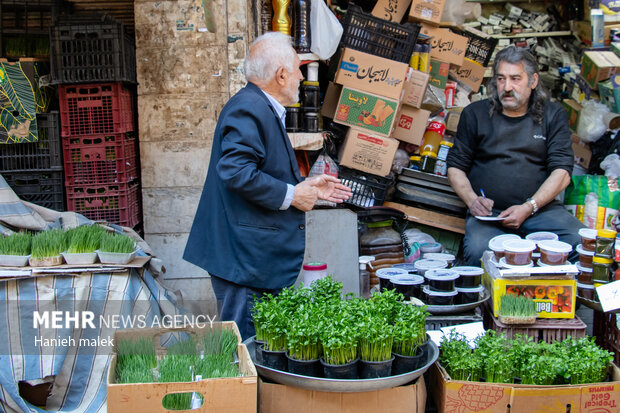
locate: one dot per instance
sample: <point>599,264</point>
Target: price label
<point>609,295</point>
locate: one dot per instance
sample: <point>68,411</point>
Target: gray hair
<point>518,55</point>
<point>267,54</point>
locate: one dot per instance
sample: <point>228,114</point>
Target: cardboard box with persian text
<point>472,396</point>
<point>369,73</point>
<point>410,124</point>
<point>470,74</point>
<point>234,394</point>
<point>278,398</point>
<point>365,110</point>
<point>391,10</point>
<point>368,153</point>
<point>427,11</point>
<point>415,87</point>
<point>445,45</point>
<point>597,66</point>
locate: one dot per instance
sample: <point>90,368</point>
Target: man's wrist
<point>531,202</point>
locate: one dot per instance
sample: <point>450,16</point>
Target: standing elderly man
<point>512,156</point>
<point>249,228</point>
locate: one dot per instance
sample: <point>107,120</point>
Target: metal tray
<point>458,308</point>
<point>595,305</point>
<point>344,386</point>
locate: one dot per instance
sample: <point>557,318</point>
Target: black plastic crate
<point>370,34</point>
<point>91,51</point>
<point>368,190</point>
<point>479,49</point>
<point>44,154</point>
<point>43,187</point>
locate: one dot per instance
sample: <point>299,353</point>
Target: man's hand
<point>329,188</point>
<point>516,215</point>
<point>481,207</point>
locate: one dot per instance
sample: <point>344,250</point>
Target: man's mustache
<point>512,94</point>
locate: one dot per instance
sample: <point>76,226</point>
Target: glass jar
<point>601,269</point>
<point>605,240</point>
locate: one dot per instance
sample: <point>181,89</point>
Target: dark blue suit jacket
<point>239,233</point>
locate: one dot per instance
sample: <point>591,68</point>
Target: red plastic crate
<point>114,203</point>
<point>102,159</point>
<point>95,109</point>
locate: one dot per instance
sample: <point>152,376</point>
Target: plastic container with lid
<point>385,276</point>
<point>470,277</point>
<point>601,269</point>
<point>588,238</point>
<point>408,285</point>
<point>441,279</point>
<point>313,271</point>
<point>423,265</point>
<point>496,244</point>
<point>586,291</point>
<point>380,233</point>
<point>585,274</point>
<point>541,236</point>
<point>585,256</point>
<point>518,251</point>
<point>438,297</point>
<point>504,264</point>
<point>427,247</point>
<point>409,266</point>
<point>468,295</point>
<point>449,258</point>
<point>605,239</point>
<point>554,252</point>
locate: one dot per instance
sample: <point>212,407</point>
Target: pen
<point>482,193</point>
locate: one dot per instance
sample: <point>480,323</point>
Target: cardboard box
<point>365,110</point>
<point>584,31</point>
<point>278,398</point>
<point>428,11</point>
<point>597,66</point>
<point>445,45</point>
<point>470,74</point>
<point>472,396</point>
<point>414,88</point>
<point>574,110</point>
<point>236,394</point>
<point>368,153</point>
<point>330,102</point>
<point>391,10</point>
<point>369,73</point>
<point>410,124</point>
<point>439,73</point>
<point>610,95</point>
<point>582,152</point>
<point>452,122</point>
<point>306,141</point>
<point>555,294</point>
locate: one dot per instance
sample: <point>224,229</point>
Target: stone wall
<point>188,65</point>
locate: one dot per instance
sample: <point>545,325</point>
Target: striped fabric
<point>80,371</point>
<point>14,213</point>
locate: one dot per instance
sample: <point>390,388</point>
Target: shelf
<point>430,218</point>
<point>533,34</point>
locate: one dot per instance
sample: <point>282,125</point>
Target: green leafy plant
<point>18,243</point>
<point>303,333</point>
<point>517,306</point>
<point>339,332</point>
<point>135,361</point>
<point>84,239</point>
<point>458,358</point>
<point>118,243</point>
<point>326,290</point>
<point>409,329</point>
<point>48,243</point>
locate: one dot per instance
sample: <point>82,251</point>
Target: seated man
<point>512,156</point>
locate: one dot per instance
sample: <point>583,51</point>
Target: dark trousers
<point>554,218</point>
<point>235,303</point>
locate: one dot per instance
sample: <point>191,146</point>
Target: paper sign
<point>609,295</point>
<point>436,336</point>
<point>470,330</point>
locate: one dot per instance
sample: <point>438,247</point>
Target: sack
<point>593,199</point>
<point>325,28</point>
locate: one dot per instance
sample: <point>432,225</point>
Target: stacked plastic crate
<point>34,170</point>
<point>94,63</point>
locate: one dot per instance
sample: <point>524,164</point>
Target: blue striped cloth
<point>80,371</point>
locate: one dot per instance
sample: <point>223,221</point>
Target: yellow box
<point>555,295</point>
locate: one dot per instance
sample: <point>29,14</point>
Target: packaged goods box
<point>365,110</point>
<point>470,74</point>
<point>610,94</point>
<point>439,73</point>
<point>573,108</point>
<point>582,151</point>
<point>391,10</point>
<point>410,124</point>
<point>236,394</point>
<point>414,88</point>
<point>428,11</point>
<point>446,45</point>
<point>369,73</point>
<point>278,398</point>
<point>554,294</point>
<point>368,153</point>
<point>471,396</point>
<point>597,66</point>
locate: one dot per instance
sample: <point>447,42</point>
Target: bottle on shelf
<point>432,139</point>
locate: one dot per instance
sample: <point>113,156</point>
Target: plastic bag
<point>324,164</point>
<point>611,166</point>
<point>591,124</point>
<point>593,199</point>
<point>325,28</point>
